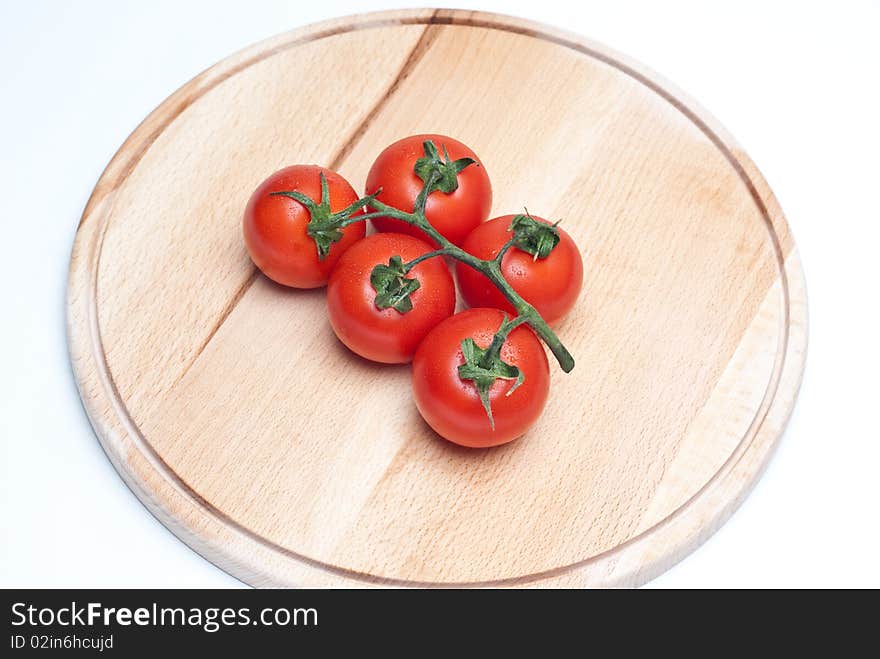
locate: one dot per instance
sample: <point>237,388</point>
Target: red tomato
<point>387,335</point>
<point>454,214</point>
<point>551,284</point>
<point>275,226</point>
<point>452,406</point>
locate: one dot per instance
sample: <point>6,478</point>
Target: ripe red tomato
<point>387,335</point>
<point>454,214</point>
<point>452,406</point>
<point>275,227</point>
<point>551,284</point>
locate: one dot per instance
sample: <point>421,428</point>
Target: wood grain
<point>204,381</point>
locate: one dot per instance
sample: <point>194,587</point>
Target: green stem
<point>424,257</point>
<point>506,246</point>
<point>422,199</point>
<point>492,270</point>
<point>493,352</point>
<point>416,219</point>
<point>533,318</point>
<point>358,218</point>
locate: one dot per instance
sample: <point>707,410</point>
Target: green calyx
<point>325,227</point>
<point>393,288</point>
<point>534,237</point>
<point>484,365</point>
<point>439,173</point>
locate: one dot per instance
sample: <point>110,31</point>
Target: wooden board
<point>200,376</point>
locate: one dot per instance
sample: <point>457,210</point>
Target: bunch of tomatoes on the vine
<point>480,376</point>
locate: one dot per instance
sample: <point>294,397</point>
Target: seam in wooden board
<point>227,311</point>
<point>418,51</point>
<point>183,488</point>
<point>415,55</point>
<point>99,194</point>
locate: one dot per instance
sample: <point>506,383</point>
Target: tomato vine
<point>393,286</point>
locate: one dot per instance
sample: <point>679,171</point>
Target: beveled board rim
<point>246,555</point>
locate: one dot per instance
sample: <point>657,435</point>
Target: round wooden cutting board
<point>229,407</point>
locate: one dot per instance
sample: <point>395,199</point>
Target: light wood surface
<point>204,382</point>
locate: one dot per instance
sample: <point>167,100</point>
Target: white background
<point>797,83</point>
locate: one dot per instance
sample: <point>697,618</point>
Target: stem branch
<point>526,313</point>
<point>424,257</point>
<point>506,246</point>
<point>494,350</point>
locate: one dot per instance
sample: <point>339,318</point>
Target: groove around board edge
<point>244,556</point>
